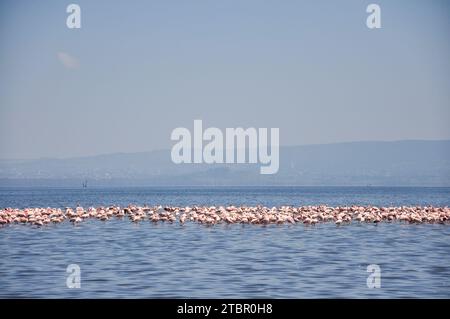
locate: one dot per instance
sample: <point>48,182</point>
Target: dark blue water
<point>120,259</point>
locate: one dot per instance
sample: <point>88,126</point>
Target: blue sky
<point>138,69</point>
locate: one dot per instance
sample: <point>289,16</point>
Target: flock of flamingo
<point>231,215</point>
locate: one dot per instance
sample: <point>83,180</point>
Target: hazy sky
<point>138,69</point>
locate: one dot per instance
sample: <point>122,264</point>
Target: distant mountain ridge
<point>399,163</point>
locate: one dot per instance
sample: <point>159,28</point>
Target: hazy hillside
<point>360,163</point>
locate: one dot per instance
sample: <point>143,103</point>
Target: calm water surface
<point>121,259</point>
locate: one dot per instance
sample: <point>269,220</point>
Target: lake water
<point>118,258</point>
